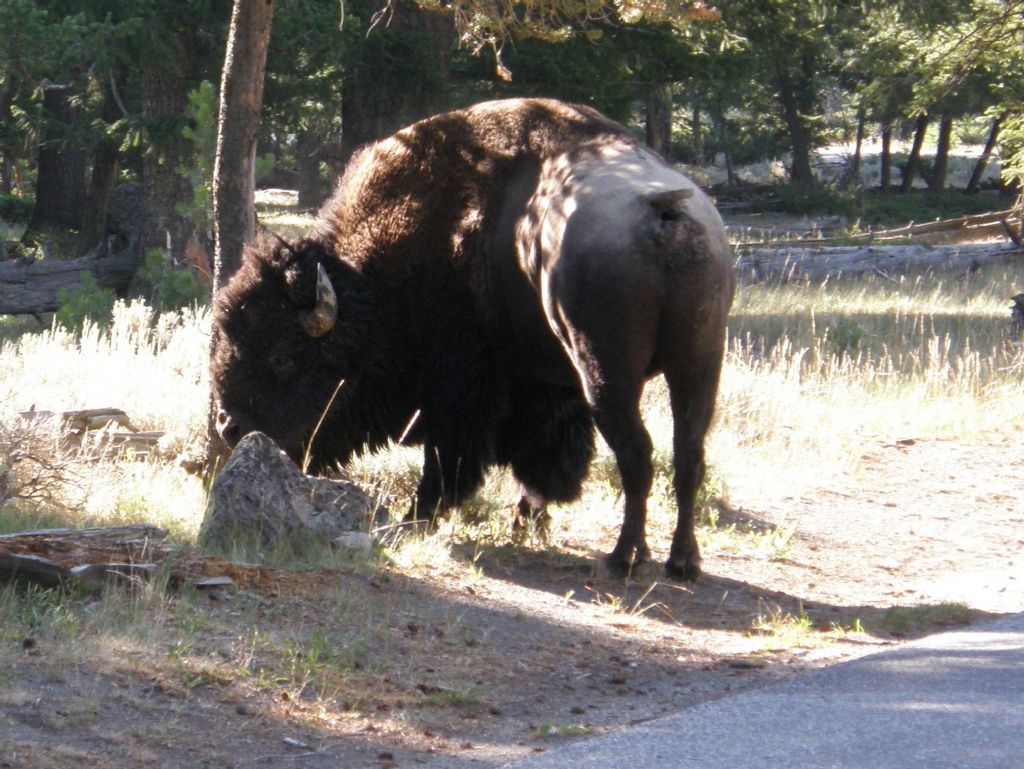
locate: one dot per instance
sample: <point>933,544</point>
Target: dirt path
<point>513,650</point>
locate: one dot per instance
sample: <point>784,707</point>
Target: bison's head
<point>276,363</point>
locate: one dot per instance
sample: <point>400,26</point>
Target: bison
<point>492,282</point>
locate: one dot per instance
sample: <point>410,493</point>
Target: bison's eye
<point>281,364</point>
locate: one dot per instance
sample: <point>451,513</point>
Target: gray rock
<point>262,495</point>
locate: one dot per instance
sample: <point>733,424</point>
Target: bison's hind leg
<point>618,419</point>
<point>692,394</point>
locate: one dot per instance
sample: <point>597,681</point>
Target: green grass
<point>15,518</point>
<point>902,621</point>
<point>783,631</point>
<point>876,209</point>
<point>550,731</point>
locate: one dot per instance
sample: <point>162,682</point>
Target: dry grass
<point>814,369</point>
<point>811,370</point>
<point>155,369</point>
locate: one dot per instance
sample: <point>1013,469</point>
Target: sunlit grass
<point>153,368</point>
<point>811,372</point>
<point>816,365</point>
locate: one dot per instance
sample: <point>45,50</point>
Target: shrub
<point>172,287</point>
<point>845,335</point>
<point>34,467</point>
<point>818,199</point>
<point>15,209</point>
<point>88,302</point>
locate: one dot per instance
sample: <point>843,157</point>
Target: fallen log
<point>29,287</point>
<point>32,568</point>
<point>98,557</point>
<point>72,547</point>
<point>994,221</point>
<point>93,430</point>
<point>995,224</point>
<point>799,263</point>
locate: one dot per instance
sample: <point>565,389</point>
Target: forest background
<point>94,94</point>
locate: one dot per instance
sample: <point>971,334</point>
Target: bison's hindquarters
<point>639,282</point>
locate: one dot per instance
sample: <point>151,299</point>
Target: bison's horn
<point>320,320</point>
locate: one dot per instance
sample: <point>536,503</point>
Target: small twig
<point>323,415</point>
<point>408,428</point>
<point>287,755</point>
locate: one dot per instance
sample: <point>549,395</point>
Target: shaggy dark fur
<point>441,332</point>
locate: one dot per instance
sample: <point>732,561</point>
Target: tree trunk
<point>914,161</point>
<point>659,119</point>
<point>241,99</point>
<point>885,169</point>
<point>979,168</point>
<point>165,96</point>
<point>307,160</point>
<point>939,170</point>
<point>60,184</point>
<point>800,172</point>
<point>234,212</point>
<point>377,98</point>
<point>7,148</point>
<point>852,176</point>
<point>697,127</point>
<point>723,135</point>
<point>101,180</point>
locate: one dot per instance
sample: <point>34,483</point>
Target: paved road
<point>950,701</point>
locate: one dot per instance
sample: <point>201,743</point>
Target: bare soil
<point>508,650</point>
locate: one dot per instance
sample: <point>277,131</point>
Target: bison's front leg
<point>461,398</point>
<point>455,458</point>
<point>430,502</point>
<point>548,439</point>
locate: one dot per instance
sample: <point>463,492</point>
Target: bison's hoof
<point>624,567</point>
<point>687,571</point>
<point>619,567</point>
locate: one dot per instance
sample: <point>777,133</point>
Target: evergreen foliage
<point>89,302</point>
<point>744,80</point>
